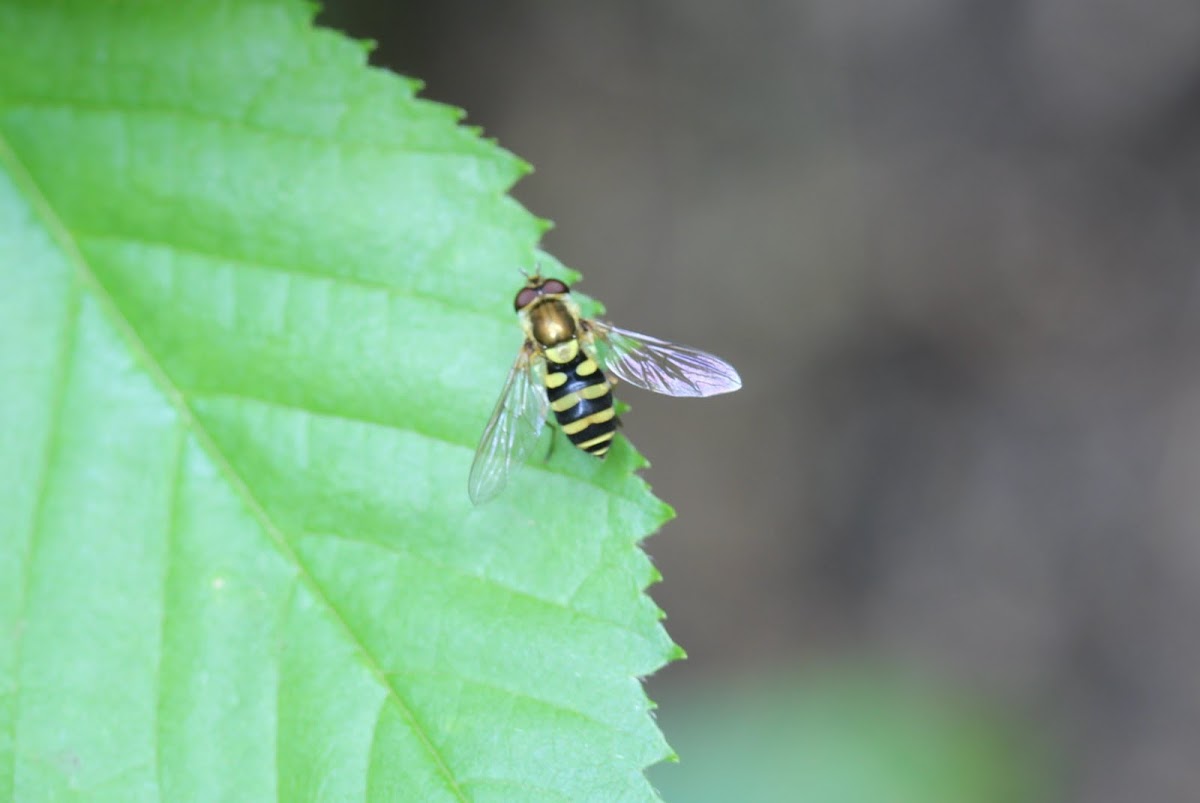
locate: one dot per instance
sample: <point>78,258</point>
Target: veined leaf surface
<point>255,304</point>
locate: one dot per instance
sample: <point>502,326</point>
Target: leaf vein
<point>67,243</point>
<point>517,693</point>
<point>13,103</point>
<point>176,479</point>
<point>371,744</point>
<point>541,791</point>
<point>499,585</point>
<point>307,274</point>
<point>67,352</point>
<point>363,420</point>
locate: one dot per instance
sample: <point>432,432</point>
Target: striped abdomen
<point>580,397</point>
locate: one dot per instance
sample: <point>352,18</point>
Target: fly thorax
<point>552,324</point>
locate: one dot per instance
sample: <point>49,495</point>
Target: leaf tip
<point>311,8</point>
<point>667,511</point>
<point>524,168</point>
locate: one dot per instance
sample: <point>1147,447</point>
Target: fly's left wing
<point>512,430</point>
<point>662,367</point>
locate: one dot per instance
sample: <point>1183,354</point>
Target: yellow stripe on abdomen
<point>587,445</point>
<point>569,400</point>
<point>564,403</point>
<point>563,353</point>
<point>588,420</point>
<point>595,391</point>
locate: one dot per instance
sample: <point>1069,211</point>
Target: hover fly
<point>569,364</point>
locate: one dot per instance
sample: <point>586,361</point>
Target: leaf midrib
<point>61,236</point>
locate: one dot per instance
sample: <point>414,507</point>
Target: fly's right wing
<point>660,366</point>
<point>512,430</point>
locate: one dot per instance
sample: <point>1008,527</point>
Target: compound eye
<point>524,298</point>
<point>554,286</point>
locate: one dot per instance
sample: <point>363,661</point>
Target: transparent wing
<point>660,366</point>
<point>512,430</point>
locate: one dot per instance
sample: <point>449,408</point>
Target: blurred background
<point>942,547</point>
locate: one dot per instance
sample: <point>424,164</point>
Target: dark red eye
<point>555,286</point>
<point>525,298</point>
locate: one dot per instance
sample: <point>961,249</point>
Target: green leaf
<point>255,305</point>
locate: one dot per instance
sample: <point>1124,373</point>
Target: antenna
<point>537,272</point>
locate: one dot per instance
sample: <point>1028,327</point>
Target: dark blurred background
<point>951,245</point>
